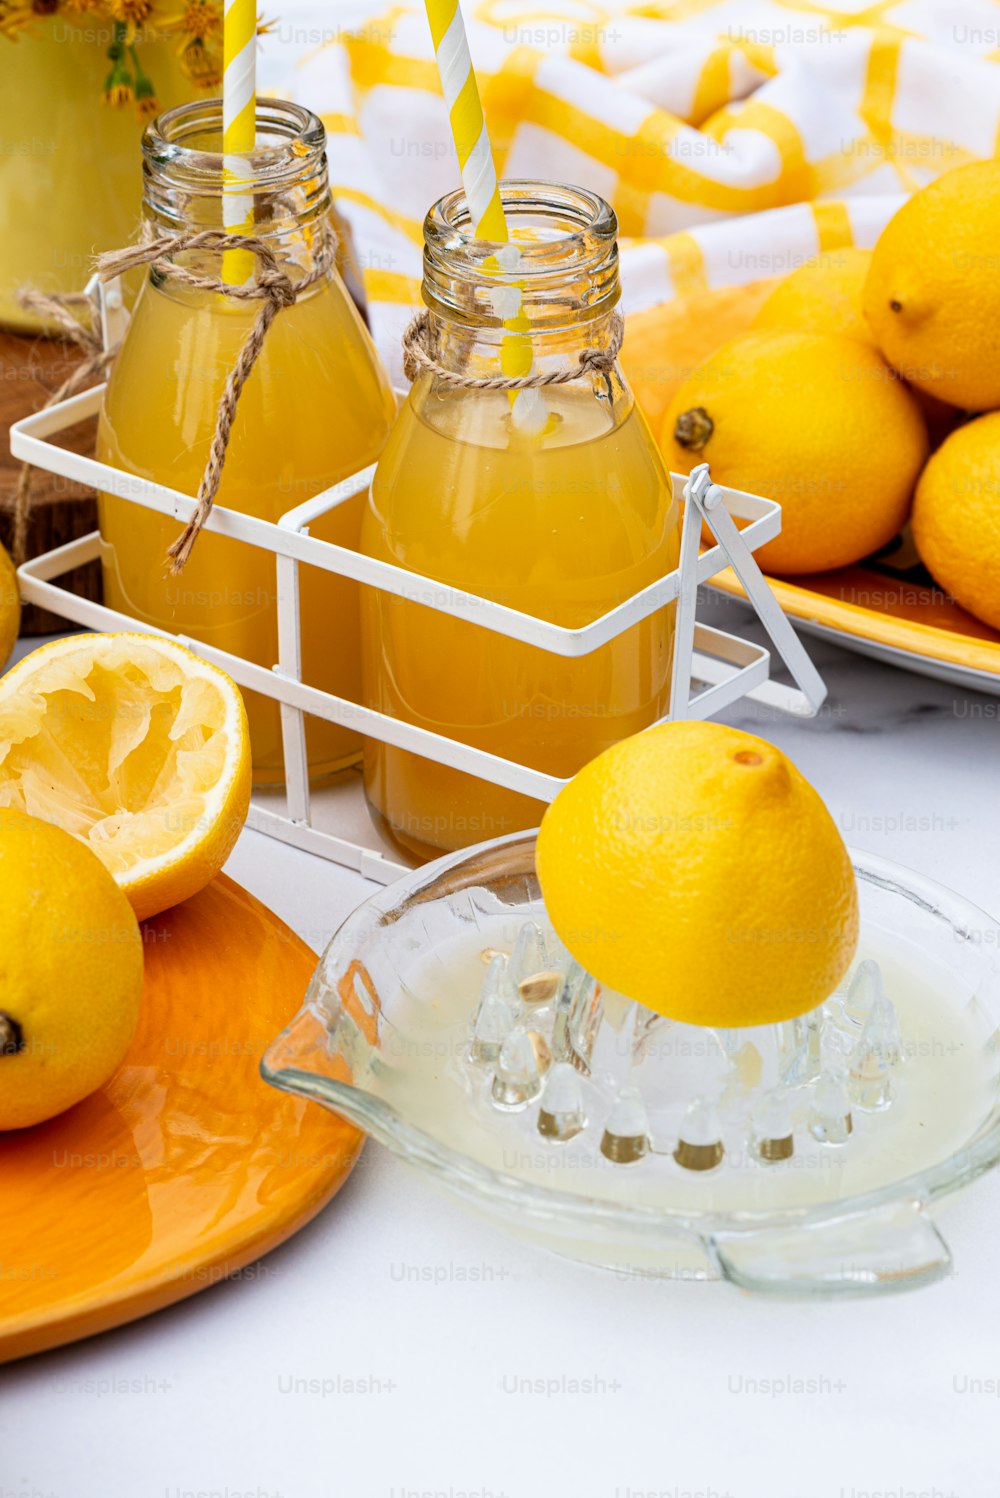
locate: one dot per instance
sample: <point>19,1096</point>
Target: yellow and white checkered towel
<point>807,123</point>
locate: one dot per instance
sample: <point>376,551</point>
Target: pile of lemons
<point>867,393</point>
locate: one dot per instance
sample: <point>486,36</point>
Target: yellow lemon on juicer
<point>694,869</point>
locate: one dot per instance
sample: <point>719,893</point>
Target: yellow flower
<point>197,25</point>
<point>199,18</point>
<point>200,65</point>
<point>130,11</point>
<point>130,14</point>
<point>194,58</point>
<point>15,15</point>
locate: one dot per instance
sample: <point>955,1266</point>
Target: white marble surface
<point>440,1312</point>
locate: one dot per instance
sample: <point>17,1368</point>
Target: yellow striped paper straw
<point>479,178</point>
<point>239,126</point>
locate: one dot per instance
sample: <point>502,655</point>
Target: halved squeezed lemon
<point>138,748</point>
<point>695,869</point>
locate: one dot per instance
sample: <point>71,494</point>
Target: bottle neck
<point>554,286</point>
<point>278,193</point>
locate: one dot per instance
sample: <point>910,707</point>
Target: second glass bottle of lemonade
<point>563,524</point>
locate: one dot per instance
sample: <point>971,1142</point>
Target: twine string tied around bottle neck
<point>271,287</point>
<point>418,357</point>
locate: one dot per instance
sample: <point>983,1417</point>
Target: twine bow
<point>271,287</point>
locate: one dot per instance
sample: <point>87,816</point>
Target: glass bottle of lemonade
<point>316,407</point>
<point>563,521</point>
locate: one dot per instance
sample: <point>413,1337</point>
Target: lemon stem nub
<point>11,1035</point>
<point>693,429</point>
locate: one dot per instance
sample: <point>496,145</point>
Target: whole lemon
<point>823,296</point>
<point>818,423</point>
<point>10,607</point>
<point>70,971</point>
<point>932,295</point>
<point>666,342</point>
<point>694,869</point>
<point>956,517</point>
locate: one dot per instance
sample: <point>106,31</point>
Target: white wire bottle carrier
<point>726,667</point>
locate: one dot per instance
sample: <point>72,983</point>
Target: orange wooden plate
<point>902,611</point>
<point>187,1165</point>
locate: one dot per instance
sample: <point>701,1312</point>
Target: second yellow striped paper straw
<point>479,178</point>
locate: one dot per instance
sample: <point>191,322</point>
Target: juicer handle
<point>892,1247</point>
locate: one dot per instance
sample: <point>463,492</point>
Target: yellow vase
<point>68,181</point>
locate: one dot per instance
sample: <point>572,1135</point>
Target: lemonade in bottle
<point>563,520</point>
<point>316,407</point>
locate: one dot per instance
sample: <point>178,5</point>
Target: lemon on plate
<point>956,517</point>
<point>138,748</point>
<point>70,973</point>
<point>694,869</point>
<point>932,296</point>
<point>818,423</point>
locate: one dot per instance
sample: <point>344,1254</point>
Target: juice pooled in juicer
<point>562,516</point>
<point>315,409</point>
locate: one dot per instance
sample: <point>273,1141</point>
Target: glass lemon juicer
<point>447,1020</point>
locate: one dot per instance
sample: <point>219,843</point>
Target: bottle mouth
<point>183,148</point>
<point>566,238</point>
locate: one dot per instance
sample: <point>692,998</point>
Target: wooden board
<point>187,1166</point>
<point>30,370</point>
